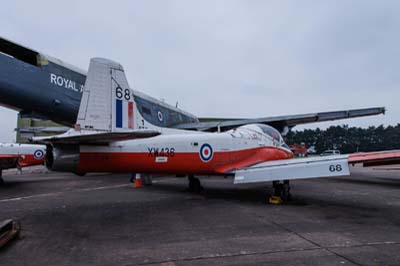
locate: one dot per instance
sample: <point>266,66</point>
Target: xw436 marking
<point>164,152</point>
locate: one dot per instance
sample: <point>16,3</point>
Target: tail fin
<point>107,102</point>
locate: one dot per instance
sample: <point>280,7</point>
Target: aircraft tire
<point>195,185</point>
<point>79,173</point>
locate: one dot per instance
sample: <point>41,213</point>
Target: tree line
<point>348,139</point>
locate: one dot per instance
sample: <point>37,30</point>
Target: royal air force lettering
<point>66,83</point>
<point>206,152</point>
<point>123,114</point>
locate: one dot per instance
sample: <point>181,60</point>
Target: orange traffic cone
<point>138,181</point>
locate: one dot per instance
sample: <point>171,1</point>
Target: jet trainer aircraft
<point>111,135</point>
<point>13,155</point>
<point>41,86</point>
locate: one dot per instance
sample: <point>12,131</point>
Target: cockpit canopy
<point>270,131</point>
<point>267,131</point>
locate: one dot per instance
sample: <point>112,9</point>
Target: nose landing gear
<point>281,192</point>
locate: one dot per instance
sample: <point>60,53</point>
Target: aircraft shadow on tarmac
<point>251,195</point>
<point>224,189</point>
<point>259,196</point>
<point>247,195</point>
<point>19,180</point>
<point>376,181</point>
<point>13,183</point>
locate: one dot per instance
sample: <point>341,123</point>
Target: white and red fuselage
<point>21,155</point>
<point>187,152</point>
<point>108,109</point>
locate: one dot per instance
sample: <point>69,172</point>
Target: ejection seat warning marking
<point>161,159</point>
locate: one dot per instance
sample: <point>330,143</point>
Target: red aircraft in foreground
<point>111,135</point>
<point>14,155</point>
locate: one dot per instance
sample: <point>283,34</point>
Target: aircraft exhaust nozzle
<point>62,158</point>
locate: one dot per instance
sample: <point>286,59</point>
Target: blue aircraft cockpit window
<point>159,114</point>
<point>146,110</point>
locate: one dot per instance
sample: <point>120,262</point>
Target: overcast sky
<point>227,58</point>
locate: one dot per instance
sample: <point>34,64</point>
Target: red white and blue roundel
<point>206,152</point>
<point>38,154</point>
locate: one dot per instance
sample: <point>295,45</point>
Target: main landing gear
<point>281,192</point>
<point>194,184</point>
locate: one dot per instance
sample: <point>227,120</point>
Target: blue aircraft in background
<point>41,86</point>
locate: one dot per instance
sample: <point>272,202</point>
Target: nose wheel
<point>194,184</point>
<point>1,178</point>
<point>281,190</point>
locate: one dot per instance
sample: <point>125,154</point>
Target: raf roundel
<point>206,152</point>
<point>38,154</point>
<point>160,116</point>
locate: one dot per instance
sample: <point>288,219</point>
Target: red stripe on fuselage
<point>180,163</point>
<point>130,114</point>
<point>23,159</point>
<point>29,159</point>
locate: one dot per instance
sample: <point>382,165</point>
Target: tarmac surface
<point>99,219</point>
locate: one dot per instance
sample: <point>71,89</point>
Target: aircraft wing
<point>279,122</point>
<point>9,160</point>
<point>376,158</point>
<point>94,137</point>
<point>311,167</point>
<point>34,130</point>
